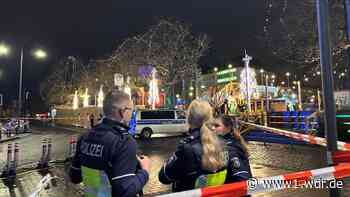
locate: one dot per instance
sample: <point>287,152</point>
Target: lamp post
<point>288,74</point>
<point>39,54</point>
<point>266,94</point>
<point>299,96</point>
<point>262,76</point>
<point>322,7</point>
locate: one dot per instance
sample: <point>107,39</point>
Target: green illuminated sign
<point>227,79</point>
<point>232,70</point>
<point>343,116</point>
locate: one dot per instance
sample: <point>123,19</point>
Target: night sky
<point>91,29</point>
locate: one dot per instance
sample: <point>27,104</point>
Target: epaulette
<point>187,140</point>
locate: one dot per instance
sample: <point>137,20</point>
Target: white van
<point>149,122</point>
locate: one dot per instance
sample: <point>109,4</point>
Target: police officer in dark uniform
<point>227,128</point>
<point>106,159</point>
<point>186,170</point>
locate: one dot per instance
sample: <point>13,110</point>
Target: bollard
<point>265,118</point>
<point>16,156</point>
<point>42,163</point>
<point>49,146</point>
<point>8,132</point>
<point>9,157</point>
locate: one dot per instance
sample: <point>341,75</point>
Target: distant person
<point>227,129</point>
<point>106,159</point>
<point>224,109</point>
<point>92,119</point>
<point>200,160</point>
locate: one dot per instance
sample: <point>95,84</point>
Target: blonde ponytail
<point>199,114</point>
<point>212,158</point>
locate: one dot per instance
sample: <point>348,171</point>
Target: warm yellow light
<point>4,50</point>
<point>86,98</point>
<point>215,69</point>
<point>40,54</point>
<point>75,100</point>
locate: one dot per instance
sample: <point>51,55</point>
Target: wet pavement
<point>266,160</point>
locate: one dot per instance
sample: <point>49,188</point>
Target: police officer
<point>227,128</point>
<point>106,159</point>
<point>201,159</point>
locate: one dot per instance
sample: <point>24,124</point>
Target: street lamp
<point>215,69</point>
<point>230,66</point>
<point>262,76</point>
<point>39,54</point>
<point>288,74</point>
<point>4,50</point>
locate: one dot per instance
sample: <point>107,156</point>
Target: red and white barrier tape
<point>298,136</point>
<point>268,184</point>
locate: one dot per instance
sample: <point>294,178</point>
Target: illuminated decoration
<point>226,75</point>
<point>153,90</point>
<point>118,80</point>
<point>145,71</point>
<point>86,98</point>
<point>75,100</point>
<point>100,97</point>
<point>247,81</point>
<point>127,88</point>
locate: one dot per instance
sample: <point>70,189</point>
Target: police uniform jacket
<point>109,148</point>
<point>184,167</point>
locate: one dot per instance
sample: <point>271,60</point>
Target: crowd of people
<point>106,161</point>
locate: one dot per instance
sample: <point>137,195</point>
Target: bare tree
<point>169,46</point>
<point>291,31</point>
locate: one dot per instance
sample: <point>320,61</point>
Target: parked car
<point>149,122</point>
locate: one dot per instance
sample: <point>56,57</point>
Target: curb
<point>13,138</point>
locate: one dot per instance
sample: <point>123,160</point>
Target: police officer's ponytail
<point>199,114</point>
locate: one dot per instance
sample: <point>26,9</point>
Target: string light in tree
<point>267,22</point>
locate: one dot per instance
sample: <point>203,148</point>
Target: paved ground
<point>266,160</point>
